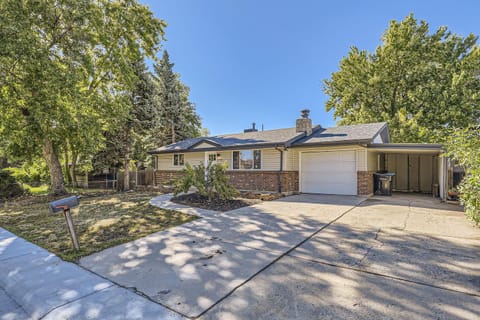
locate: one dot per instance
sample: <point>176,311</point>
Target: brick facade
<point>267,180</point>
<point>245,180</point>
<point>165,176</point>
<point>264,180</point>
<point>364,183</point>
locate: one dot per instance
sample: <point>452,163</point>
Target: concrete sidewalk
<point>35,284</point>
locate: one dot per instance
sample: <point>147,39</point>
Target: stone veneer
<point>245,180</point>
<point>364,183</point>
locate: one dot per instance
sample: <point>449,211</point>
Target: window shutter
<point>236,159</point>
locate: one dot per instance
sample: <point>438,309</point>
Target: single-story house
<point>311,159</point>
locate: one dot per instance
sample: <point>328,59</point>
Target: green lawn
<point>44,189</point>
<point>100,222</point>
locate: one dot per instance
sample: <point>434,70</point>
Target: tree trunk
<point>73,167</point>
<point>126,177</point>
<point>173,133</point>
<point>68,178</point>
<point>57,185</point>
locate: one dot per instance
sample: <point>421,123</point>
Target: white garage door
<point>329,172</point>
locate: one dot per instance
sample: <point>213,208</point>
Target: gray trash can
<point>383,183</point>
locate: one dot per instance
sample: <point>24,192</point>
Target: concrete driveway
<point>309,256</point>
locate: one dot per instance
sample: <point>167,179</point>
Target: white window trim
<point>253,169</point>
<point>173,160</point>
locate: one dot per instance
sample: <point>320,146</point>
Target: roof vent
<point>252,129</point>
<point>304,124</point>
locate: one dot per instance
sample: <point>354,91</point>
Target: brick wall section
<point>165,176</point>
<point>364,183</point>
<point>245,180</point>
<point>264,180</point>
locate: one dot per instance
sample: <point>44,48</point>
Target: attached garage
<point>328,172</point>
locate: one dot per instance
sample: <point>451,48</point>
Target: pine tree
<point>177,118</point>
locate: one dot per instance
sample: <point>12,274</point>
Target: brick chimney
<point>304,124</point>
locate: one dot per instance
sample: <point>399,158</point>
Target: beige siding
<point>204,145</point>
<point>362,160</point>
<point>165,161</point>
<point>270,159</point>
<point>293,155</point>
<point>226,157</point>
<point>291,160</point>
<point>372,161</point>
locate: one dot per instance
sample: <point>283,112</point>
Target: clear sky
<point>263,61</point>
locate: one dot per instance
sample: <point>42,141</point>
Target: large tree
<point>418,81</point>
<point>139,120</point>
<point>178,119</point>
<point>464,146</point>
<point>62,67</point>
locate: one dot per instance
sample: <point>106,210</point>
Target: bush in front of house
<point>464,146</point>
<point>210,181</point>
<point>9,187</point>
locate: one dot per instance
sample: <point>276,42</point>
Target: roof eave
<point>332,143</point>
<point>221,148</point>
<point>406,147</point>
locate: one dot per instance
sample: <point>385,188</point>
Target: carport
<point>418,167</point>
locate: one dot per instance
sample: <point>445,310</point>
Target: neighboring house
<point>310,159</point>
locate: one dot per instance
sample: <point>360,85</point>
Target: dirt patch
<point>100,222</point>
<point>245,199</point>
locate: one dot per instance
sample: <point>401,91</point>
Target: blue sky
<point>263,61</point>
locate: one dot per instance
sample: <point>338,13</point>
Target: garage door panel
<point>329,172</point>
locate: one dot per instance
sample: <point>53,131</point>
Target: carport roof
<point>406,147</point>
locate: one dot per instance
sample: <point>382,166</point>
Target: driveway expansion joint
<point>384,275</point>
<point>286,253</point>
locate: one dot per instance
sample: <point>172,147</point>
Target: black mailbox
<point>65,205</point>
<point>62,204</point>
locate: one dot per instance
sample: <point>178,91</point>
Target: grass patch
<point>43,189</point>
<point>100,223</point>
<point>40,190</point>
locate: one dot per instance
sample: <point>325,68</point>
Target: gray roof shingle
<point>281,137</point>
<point>353,133</point>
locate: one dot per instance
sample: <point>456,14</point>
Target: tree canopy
<point>177,119</point>
<point>62,67</point>
<point>464,146</point>
<point>418,81</point>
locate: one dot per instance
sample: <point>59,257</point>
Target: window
<point>178,159</point>
<point>212,157</point>
<point>247,159</point>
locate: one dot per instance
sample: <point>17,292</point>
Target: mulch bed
<point>245,199</point>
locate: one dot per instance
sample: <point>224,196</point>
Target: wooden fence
<point>137,178</point>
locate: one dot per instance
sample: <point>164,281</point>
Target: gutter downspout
<point>280,187</point>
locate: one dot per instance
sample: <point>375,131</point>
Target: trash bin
<point>383,183</point>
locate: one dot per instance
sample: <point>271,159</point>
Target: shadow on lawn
<point>192,267</point>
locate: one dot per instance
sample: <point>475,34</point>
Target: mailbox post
<point>65,205</point>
